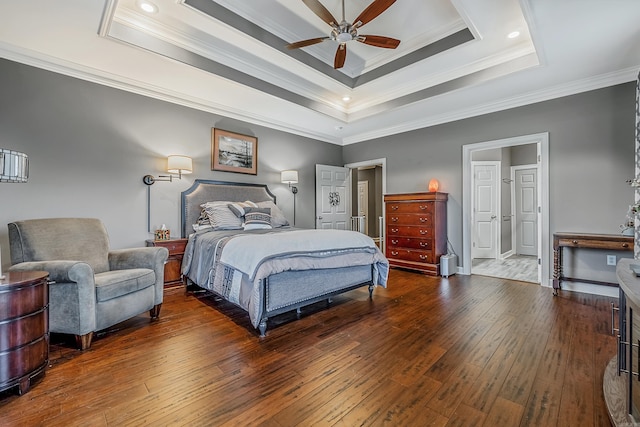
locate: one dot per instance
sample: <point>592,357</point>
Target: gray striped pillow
<point>221,217</point>
<point>257,218</point>
<point>238,208</point>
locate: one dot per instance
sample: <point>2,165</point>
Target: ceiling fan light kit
<point>345,31</point>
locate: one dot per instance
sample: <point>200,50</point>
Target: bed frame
<point>278,297</point>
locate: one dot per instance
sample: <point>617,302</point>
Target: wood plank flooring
<point>462,351</point>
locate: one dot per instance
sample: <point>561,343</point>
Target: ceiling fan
<point>344,31</point>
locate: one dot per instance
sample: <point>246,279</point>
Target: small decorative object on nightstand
<point>24,328</point>
<point>176,247</point>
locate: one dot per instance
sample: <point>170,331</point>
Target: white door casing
<point>486,208</point>
<point>544,240</point>
<point>525,222</point>
<point>333,207</point>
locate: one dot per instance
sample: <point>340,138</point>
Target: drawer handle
<point>394,207</point>
<point>394,253</point>
<point>424,219</point>
<point>394,230</point>
<point>423,257</point>
<point>423,244</point>
<point>394,219</point>
<point>575,242</point>
<point>423,207</point>
<point>625,245</point>
<point>395,242</point>
<point>423,232</point>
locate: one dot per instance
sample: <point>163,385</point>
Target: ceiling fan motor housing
<point>344,33</point>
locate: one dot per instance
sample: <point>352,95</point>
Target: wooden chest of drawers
<point>416,230</point>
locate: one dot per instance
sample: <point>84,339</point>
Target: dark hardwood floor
<point>463,351</point>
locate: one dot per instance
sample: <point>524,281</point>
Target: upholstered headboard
<point>203,191</point>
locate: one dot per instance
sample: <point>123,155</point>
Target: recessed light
<point>513,34</point>
<point>346,98</point>
<point>147,6</point>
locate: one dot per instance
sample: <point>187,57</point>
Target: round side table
<point>24,328</point>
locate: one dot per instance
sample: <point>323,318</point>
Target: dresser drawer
<point>407,242</point>
<point>409,231</point>
<point>410,255</point>
<point>585,242</point>
<point>409,207</point>
<point>410,219</point>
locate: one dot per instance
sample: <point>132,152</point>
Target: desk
<point>610,242</point>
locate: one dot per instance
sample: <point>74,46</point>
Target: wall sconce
<point>14,167</point>
<point>291,177</point>
<point>434,185</point>
<point>175,165</point>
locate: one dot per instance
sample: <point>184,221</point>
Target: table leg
<point>557,268</point>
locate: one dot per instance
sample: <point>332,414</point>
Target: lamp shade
<point>289,177</point>
<point>14,166</point>
<point>179,164</point>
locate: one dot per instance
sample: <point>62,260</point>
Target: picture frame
<point>234,152</point>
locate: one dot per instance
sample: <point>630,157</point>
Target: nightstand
<point>24,328</point>
<point>176,247</point>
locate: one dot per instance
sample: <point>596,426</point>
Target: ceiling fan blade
<point>304,43</point>
<point>341,55</point>
<point>322,12</point>
<point>379,41</point>
<point>372,12</point>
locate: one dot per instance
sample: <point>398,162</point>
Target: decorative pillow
<point>221,217</point>
<point>257,218</point>
<point>238,208</point>
<point>277,217</point>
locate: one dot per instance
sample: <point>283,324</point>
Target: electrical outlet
<point>611,260</point>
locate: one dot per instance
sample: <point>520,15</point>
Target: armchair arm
<point>153,258</point>
<point>122,259</point>
<point>59,271</point>
<point>72,298</point>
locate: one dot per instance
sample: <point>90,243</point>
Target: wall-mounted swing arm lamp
<point>291,177</point>
<point>175,165</point>
<point>14,167</point>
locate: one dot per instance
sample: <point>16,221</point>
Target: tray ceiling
<point>455,58</point>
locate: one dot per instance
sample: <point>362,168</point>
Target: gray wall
<point>591,155</point>
<point>90,145</point>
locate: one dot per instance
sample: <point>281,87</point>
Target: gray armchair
<point>93,288</point>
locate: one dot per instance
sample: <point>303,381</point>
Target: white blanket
<point>311,243</point>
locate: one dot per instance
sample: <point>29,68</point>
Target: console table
<point>610,242</point>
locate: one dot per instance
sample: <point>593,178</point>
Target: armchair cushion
<point>114,284</point>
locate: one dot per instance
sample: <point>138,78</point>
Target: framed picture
<point>233,152</point>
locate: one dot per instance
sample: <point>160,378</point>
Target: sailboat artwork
<point>232,152</point>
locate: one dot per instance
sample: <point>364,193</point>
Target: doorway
<point>471,152</point>
<point>375,173</point>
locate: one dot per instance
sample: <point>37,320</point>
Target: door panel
<point>485,209</point>
<point>526,215</point>
<point>333,209</point>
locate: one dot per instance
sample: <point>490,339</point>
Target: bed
<point>269,269</point>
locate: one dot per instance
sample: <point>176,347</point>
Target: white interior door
<point>526,211</point>
<point>363,204</point>
<point>333,209</point>
<point>485,209</point>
